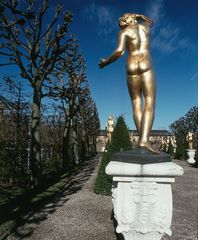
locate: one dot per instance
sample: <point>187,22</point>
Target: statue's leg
<point>134,87</point>
<point>149,92</point>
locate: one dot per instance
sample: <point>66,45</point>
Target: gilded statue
<point>189,139</point>
<point>174,143</point>
<point>135,38</point>
<point>110,126</point>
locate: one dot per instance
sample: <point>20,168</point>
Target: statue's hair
<point>123,19</point>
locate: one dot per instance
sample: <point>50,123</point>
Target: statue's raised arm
<point>146,19</point>
<point>117,53</point>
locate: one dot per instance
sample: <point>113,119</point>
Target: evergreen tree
<point>196,154</point>
<point>170,149</point>
<point>120,140</point>
<point>164,148</point>
<point>180,151</point>
<point>120,137</point>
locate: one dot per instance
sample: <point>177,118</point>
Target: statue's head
<point>127,19</point>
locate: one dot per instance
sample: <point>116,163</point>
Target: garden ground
<point>78,213</point>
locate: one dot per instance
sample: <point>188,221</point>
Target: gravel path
<point>78,213</point>
<point>185,204</point>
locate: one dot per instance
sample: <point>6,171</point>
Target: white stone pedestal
<point>142,198</point>
<point>191,155</point>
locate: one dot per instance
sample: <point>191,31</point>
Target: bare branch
<point>6,54</point>
<point>6,64</point>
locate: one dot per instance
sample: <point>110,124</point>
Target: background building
<point>156,138</point>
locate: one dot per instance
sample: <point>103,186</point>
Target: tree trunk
<point>75,146</point>
<point>94,144</point>
<point>66,143</point>
<point>84,149</point>
<point>35,154</point>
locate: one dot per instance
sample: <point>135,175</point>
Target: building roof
<point>153,133</point>
<point>103,132</point>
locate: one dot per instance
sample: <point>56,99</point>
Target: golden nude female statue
<point>135,37</point>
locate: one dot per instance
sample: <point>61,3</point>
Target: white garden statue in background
<point>190,151</point>
<point>110,126</point>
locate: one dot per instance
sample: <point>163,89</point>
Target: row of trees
<point>181,127</point>
<point>47,57</point>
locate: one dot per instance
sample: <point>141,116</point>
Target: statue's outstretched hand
<point>102,63</point>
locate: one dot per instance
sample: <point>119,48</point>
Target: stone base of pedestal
<point>142,198</point>
<point>139,236</point>
<point>191,155</point>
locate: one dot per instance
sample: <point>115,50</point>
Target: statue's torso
<point>190,137</point>
<point>138,46</point>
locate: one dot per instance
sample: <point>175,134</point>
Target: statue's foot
<point>148,147</point>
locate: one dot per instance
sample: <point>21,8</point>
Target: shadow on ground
<point>29,214</point>
<point>119,236</point>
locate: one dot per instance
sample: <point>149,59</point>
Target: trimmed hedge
<point>120,137</point>
<point>103,181</point>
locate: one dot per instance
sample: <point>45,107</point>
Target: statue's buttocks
<point>138,64</point>
<point>137,44</point>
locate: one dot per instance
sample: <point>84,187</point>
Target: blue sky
<point>174,50</point>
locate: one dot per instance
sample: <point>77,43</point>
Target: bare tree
<point>80,112</point>
<point>89,125</point>
<point>14,125</point>
<point>52,128</point>
<point>72,88</point>
<point>38,50</point>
